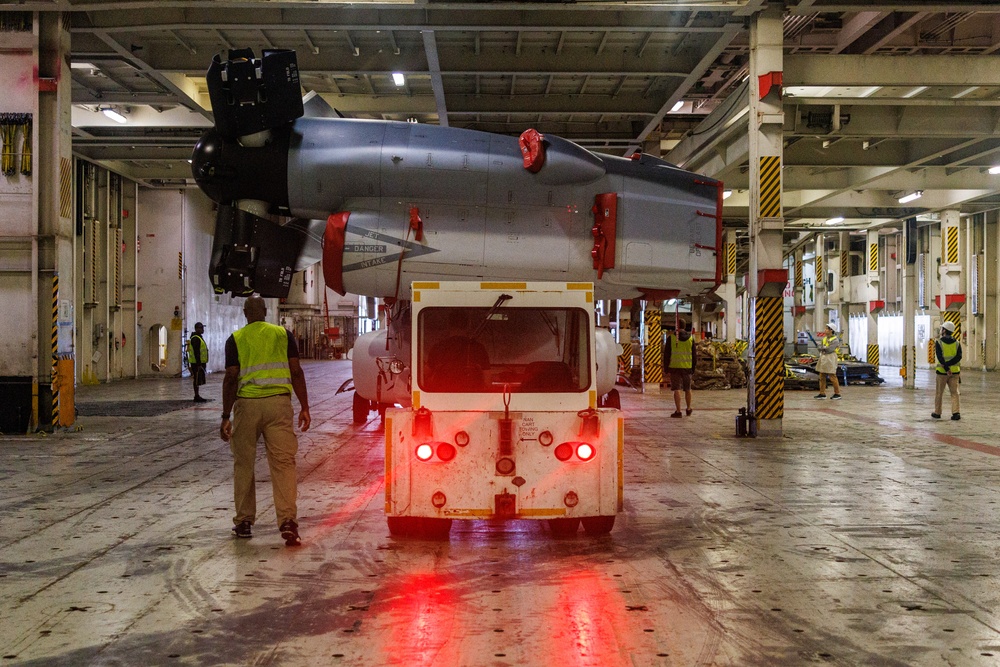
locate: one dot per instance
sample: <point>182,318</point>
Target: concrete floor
<point>867,535</point>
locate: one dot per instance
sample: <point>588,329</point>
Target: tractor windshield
<point>529,350</point>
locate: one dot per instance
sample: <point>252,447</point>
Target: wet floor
<point>866,535</point>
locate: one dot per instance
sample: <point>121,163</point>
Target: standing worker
<point>680,358</point>
<point>949,356</point>
<point>827,365</point>
<point>262,370</point>
<point>198,359</point>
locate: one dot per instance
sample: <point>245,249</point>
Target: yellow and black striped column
<point>118,266</point>
<point>652,355</point>
<point>820,278</point>
<point>950,240</point>
<point>798,276</point>
<point>55,350</point>
<point>730,256</point>
<point>873,356</point>
<point>930,352</point>
<point>954,317</point>
<point>845,263</point>
<point>769,355</point>
<point>95,230</point>
<point>180,266</point>
<point>770,186</point>
<point>873,258</point>
<point>625,358</point>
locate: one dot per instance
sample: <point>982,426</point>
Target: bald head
<point>255,309</point>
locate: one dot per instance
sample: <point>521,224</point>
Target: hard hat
<point>830,327</point>
<point>948,326</point>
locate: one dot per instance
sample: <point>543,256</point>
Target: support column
<point>842,320</point>
<point>729,286</point>
<point>623,335</point>
<point>36,198</point>
<point>874,302</point>
<point>767,275</point>
<point>991,287</point>
<point>798,294</point>
<point>909,294</point>
<point>819,306</point>
<point>652,354</point>
<point>951,279</point>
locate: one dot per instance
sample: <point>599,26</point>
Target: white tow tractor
<point>512,413</point>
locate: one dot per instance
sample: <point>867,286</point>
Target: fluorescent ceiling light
<point>964,92</point>
<point>726,194</point>
<point>398,78</point>
<point>868,92</point>
<point>677,106</point>
<point>114,115</point>
<point>916,91</point>
<point>79,65</point>
<point>835,221</point>
<point>995,170</point>
<point>913,196</point>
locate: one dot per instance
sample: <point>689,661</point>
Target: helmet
<point>829,327</point>
<point>949,326</point>
<point>198,326</point>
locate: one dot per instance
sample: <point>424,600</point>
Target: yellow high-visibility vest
<point>262,349</point>
<point>196,339</point>
<point>949,351</point>
<point>681,352</point>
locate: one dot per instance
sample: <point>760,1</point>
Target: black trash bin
<point>15,397</point>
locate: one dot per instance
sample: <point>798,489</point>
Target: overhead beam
<point>707,59</point>
<point>874,70</point>
<point>437,82</point>
<point>182,92</point>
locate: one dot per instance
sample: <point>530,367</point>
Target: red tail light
<point>583,450</point>
<point>446,451</point>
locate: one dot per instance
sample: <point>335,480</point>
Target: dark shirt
<point>233,356</point>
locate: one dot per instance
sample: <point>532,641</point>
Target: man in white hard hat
<point>948,352</point>
<point>827,364</point>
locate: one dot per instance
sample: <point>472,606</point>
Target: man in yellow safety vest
<point>828,366</point>
<point>198,359</point>
<point>948,352</point>
<point>680,358</point>
<point>262,371</point>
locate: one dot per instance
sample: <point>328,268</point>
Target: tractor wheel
<point>598,525</point>
<point>563,527</point>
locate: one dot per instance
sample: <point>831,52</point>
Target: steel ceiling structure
<point>880,98</point>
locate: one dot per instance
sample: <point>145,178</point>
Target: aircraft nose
<point>206,166</point>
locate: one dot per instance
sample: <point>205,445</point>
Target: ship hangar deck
<point>867,535</point>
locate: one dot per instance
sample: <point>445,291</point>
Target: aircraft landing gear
<point>361,408</point>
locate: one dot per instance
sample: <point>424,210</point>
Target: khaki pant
<point>272,418</point>
<point>952,383</point>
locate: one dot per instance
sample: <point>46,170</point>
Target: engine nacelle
<point>607,351</point>
<point>381,373</point>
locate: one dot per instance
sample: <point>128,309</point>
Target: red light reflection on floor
<point>424,618</point>
<point>588,623</point>
<point>356,504</point>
